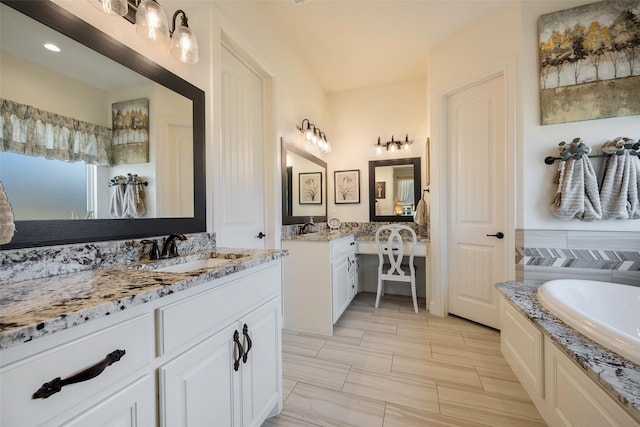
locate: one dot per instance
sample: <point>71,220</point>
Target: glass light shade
<point>184,45</point>
<point>308,135</point>
<point>111,7</point>
<point>392,147</point>
<point>151,22</point>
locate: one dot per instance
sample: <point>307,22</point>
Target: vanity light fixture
<point>151,22</point>
<point>394,146</point>
<point>152,25</point>
<point>314,135</point>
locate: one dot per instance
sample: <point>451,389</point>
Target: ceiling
<point>350,44</point>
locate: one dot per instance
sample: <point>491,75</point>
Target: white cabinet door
<point>215,384</point>
<point>260,369</point>
<point>199,388</point>
<point>134,406</point>
<point>341,286</point>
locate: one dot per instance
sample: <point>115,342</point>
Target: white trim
<point>439,185</point>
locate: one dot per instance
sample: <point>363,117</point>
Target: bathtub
<point>608,313</point>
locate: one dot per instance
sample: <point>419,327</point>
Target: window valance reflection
<point>28,130</point>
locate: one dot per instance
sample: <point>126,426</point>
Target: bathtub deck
<point>619,377</point>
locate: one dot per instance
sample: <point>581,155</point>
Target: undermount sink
<point>190,263</point>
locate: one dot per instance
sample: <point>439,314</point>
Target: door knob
<point>261,235</point>
<point>499,235</point>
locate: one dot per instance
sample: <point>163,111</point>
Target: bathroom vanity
<point>323,273</point>
<point>320,280</point>
<point>192,348</point>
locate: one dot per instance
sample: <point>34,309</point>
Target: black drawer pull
<point>55,385</point>
<point>245,332</point>
<point>236,339</point>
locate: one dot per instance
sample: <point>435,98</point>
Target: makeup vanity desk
<point>324,271</point>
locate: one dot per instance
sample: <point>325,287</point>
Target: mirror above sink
<point>304,186</point>
<point>394,189</point>
<point>177,204</point>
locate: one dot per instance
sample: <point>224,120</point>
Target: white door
<point>243,184</point>
<point>477,156</point>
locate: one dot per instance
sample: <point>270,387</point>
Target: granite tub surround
<point>619,377</point>
<point>33,263</point>
<point>34,308</point>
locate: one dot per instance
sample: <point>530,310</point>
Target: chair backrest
<point>393,247</point>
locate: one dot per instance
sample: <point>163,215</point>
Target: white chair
<point>391,268</point>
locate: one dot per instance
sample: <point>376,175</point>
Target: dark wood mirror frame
<point>287,185</point>
<point>55,232</point>
<point>415,161</point>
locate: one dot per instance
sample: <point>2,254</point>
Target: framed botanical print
<point>347,186</point>
<point>310,185</point>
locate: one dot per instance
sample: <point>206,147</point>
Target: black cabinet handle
<point>261,235</point>
<point>499,235</point>
<point>55,385</point>
<point>236,339</point>
<point>245,332</point>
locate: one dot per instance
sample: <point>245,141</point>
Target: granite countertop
<point>619,377</point>
<point>34,308</point>
<point>327,235</point>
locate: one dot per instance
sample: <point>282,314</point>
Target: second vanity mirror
<point>304,186</point>
<point>394,189</point>
<point>93,74</point>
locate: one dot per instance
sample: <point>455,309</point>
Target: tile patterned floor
<point>390,367</point>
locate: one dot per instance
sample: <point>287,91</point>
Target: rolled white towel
<point>7,225</point>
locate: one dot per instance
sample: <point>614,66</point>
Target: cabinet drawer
<point>20,380</point>
<point>341,246</point>
<point>200,314</point>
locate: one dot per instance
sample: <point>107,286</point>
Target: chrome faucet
<point>169,248</point>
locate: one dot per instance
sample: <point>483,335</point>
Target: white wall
<point>358,118</point>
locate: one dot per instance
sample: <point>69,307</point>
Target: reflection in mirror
<point>304,186</point>
<point>47,97</point>
<point>394,189</point>
<point>53,92</point>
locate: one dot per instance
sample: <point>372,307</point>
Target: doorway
<point>479,195</point>
<point>242,211</point>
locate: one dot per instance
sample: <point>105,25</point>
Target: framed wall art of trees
<point>590,62</point>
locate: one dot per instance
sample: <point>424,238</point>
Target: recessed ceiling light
<point>52,47</point>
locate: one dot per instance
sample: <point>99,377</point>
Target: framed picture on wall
<point>310,185</point>
<point>347,186</point>
<point>381,190</point>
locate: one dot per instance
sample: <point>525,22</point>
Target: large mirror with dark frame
<point>304,186</point>
<point>95,83</point>
<point>394,189</point>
